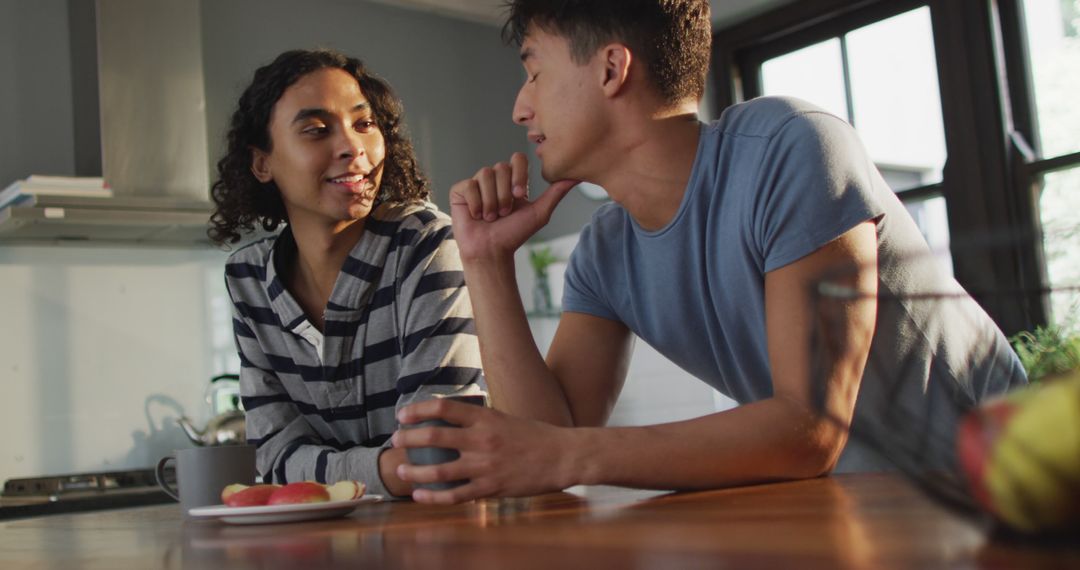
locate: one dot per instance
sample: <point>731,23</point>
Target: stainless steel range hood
<point>153,136</point>
<point>121,220</point>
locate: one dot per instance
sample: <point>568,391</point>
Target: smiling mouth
<point>360,184</point>
<point>351,179</point>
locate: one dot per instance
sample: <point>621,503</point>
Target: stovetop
<point>32,496</point>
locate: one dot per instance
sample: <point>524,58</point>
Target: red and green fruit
<point>1021,455</point>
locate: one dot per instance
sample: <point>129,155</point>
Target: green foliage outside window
<point>1070,12</point>
<point>1047,351</point>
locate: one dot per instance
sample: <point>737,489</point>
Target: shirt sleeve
<point>582,287</point>
<point>439,348</point>
<point>816,182</point>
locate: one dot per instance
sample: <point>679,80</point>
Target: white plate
<point>268,514</point>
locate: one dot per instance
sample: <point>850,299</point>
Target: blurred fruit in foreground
<point>1021,455</point>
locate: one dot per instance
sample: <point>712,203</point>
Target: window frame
<point>1021,86</point>
<point>990,179</point>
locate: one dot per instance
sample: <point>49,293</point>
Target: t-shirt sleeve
<point>816,182</point>
<point>581,291</point>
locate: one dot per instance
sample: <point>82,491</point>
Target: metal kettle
<point>226,427</point>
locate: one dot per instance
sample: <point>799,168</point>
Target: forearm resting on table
<point>519,382</point>
<point>770,440</point>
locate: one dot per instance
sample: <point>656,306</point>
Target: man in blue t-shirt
<point>710,251</point>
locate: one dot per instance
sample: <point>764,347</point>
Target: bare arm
<point>590,357</point>
<point>492,219</point>
<point>783,437</point>
<point>519,382</point>
<point>586,364</point>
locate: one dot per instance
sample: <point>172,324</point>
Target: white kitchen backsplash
<point>101,349</point>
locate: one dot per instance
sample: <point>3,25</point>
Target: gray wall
<point>36,117</point>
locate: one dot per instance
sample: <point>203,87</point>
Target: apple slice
<point>345,490</point>
<point>229,490</point>
<point>299,492</point>
<point>253,496</point>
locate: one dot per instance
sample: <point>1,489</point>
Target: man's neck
<point>650,174</point>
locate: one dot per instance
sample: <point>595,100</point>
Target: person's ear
<point>260,165</point>
<point>616,60</point>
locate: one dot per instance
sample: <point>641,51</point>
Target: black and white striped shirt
<point>398,328</point>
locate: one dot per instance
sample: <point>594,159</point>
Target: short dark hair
<point>241,200</point>
<point>673,37</point>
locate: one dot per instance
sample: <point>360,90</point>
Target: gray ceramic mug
<point>202,472</point>
<point>437,455</point>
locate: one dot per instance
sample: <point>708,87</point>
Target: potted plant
<point>541,258</point>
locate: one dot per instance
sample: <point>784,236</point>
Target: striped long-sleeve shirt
<point>398,328</point>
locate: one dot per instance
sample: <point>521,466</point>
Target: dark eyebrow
<point>323,113</point>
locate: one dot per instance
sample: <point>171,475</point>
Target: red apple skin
<point>300,492</point>
<point>975,439</point>
<point>253,496</point>
<point>230,489</point>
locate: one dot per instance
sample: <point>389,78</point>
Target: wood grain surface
<point>846,521</point>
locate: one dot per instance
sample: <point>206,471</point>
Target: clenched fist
<point>492,213</point>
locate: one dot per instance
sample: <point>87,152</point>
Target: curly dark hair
<point>241,200</point>
<point>672,37</point>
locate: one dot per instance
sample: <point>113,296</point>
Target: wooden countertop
<point>845,521</point>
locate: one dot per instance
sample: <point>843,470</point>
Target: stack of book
<point>25,192</point>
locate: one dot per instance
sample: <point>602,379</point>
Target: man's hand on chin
<point>492,213</point>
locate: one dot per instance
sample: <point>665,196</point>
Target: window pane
<point>931,217</point>
<point>1059,202</point>
<point>1053,31</point>
<point>815,73</point>
<point>895,96</point>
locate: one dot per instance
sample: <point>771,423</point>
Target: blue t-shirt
<point>774,180</point>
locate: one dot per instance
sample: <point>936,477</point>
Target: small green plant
<point>1047,351</point>
<point>540,258</point>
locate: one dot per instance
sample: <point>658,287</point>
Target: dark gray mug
<point>202,472</point>
<point>437,455</point>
